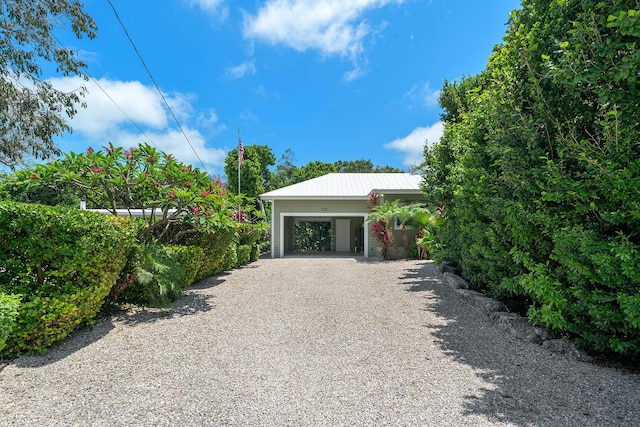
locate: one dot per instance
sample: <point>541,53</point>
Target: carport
<point>337,204</point>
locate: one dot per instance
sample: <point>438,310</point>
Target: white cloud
<point>422,94</point>
<point>103,121</point>
<point>143,104</point>
<point>333,27</point>
<point>412,145</point>
<point>241,70</point>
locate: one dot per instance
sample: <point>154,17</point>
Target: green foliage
<point>8,313</point>
<point>243,255</point>
<point>217,248</point>
<point>13,189</point>
<point>159,278</point>
<point>382,216</point>
<point>539,170</point>
<point>31,110</point>
<point>178,200</point>
<point>190,258</point>
<point>63,263</point>
<point>254,172</point>
<point>287,173</point>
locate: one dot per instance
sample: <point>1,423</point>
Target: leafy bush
<point>62,262</point>
<point>8,312</point>
<point>244,255</point>
<point>539,170</point>
<point>159,278</point>
<point>190,258</point>
<point>215,246</point>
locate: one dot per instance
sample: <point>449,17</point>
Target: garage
<point>327,215</point>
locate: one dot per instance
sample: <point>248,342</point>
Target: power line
<point>156,84</point>
<point>86,72</point>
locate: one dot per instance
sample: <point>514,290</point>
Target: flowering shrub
<point>379,232</point>
<point>167,191</point>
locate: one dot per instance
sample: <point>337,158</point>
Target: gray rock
<point>456,282</point>
<point>565,347</point>
<point>520,327</point>
<point>481,301</point>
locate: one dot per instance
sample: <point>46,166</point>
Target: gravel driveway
<point>312,341</point>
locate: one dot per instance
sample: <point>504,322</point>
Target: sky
<point>329,79</point>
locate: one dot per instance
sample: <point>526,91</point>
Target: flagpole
<point>239,164</point>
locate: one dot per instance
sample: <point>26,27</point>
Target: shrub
<point>539,168</point>
<point>62,262</point>
<point>215,246</point>
<point>8,312</point>
<point>190,258</point>
<point>243,255</point>
<point>159,278</point>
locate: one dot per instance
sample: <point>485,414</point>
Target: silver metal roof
<point>348,186</point>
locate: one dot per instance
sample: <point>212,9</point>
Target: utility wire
<point>156,84</point>
<point>86,72</point>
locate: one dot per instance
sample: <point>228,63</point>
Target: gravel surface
<point>312,341</point>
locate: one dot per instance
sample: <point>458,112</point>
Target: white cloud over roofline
<point>412,145</point>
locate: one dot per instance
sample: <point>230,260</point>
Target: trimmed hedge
<point>244,255</point>
<point>62,263</point>
<point>8,312</point>
<point>215,247</point>
<point>191,259</point>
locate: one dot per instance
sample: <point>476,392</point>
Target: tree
<point>284,173</point>
<point>32,111</point>
<point>254,173</point>
<point>177,200</point>
<point>362,166</point>
<point>313,170</point>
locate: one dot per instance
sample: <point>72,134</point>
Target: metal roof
<point>348,186</point>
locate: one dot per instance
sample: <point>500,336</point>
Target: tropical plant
<point>382,215</point>
<point>176,199</point>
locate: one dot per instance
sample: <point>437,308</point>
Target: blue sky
<point>330,79</point>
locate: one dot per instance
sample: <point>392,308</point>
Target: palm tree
<point>405,216</point>
<point>386,212</point>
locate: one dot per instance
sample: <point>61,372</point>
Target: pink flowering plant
<point>176,199</point>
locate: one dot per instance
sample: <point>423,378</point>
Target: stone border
<point>513,323</point>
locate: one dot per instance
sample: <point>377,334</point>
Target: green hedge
<point>215,247</point>
<point>8,313</point>
<point>244,254</point>
<point>191,259</point>
<point>539,171</point>
<point>62,263</point>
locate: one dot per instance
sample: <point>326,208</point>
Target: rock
<point>565,347</point>
<point>456,282</point>
<point>520,327</point>
<point>481,301</point>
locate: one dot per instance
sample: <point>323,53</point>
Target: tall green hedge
<point>215,246</point>
<point>61,263</point>
<point>539,170</point>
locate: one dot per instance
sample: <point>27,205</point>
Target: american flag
<point>240,153</point>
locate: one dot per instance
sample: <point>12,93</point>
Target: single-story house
<point>340,203</point>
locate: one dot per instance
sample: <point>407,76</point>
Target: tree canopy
<point>32,111</point>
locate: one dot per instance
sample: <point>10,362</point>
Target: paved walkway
<point>312,341</point>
